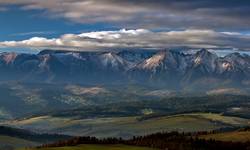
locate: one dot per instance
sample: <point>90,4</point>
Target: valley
<point>124,75</point>
<point>128,127</point>
<point>128,107</point>
<point>86,101</point>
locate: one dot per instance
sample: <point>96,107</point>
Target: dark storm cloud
<point>157,14</point>
<point>182,14</point>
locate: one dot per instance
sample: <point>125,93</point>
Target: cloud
<point>167,14</point>
<point>3,9</point>
<point>34,33</point>
<point>137,39</point>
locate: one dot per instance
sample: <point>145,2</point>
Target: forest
<point>162,140</point>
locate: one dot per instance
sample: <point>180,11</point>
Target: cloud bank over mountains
<point>152,24</point>
<point>137,39</point>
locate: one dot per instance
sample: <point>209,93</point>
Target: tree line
<point>161,140</point>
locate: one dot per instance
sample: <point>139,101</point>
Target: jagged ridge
<point>169,68</point>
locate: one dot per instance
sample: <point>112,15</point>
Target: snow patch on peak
<point>154,61</point>
<point>197,60</point>
<point>113,60</point>
<point>9,57</point>
<point>226,65</point>
<point>44,60</point>
<point>206,58</point>
<point>76,55</point>
<point>110,58</point>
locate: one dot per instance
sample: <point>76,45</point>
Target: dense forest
<point>163,140</point>
<point>160,106</point>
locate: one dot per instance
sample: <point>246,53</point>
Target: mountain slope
<point>159,68</point>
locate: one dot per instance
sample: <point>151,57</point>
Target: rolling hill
<point>129,126</point>
<point>97,147</point>
<point>235,136</point>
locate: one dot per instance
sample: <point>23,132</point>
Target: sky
<point>90,25</point>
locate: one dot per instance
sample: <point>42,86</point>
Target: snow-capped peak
<point>113,60</point>
<point>44,60</point>
<point>154,61</point>
<point>226,65</point>
<point>198,60</point>
<point>206,58</point>
<point>9,57</point>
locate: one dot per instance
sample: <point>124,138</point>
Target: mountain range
<point>157,68</point>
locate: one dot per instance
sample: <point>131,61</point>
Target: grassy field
<point>98,147</point>
<point>234,121</point>
<point>129,126</point>
<point>236,136</point>
<point>15,142</point>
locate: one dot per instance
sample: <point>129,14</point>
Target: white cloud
<point>34,33</point>
<point>137,39</point>
<point>114,34</point>
<point>32,42</point>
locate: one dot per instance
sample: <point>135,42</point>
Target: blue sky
<point>18,24</point>
<point>123,24</point>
